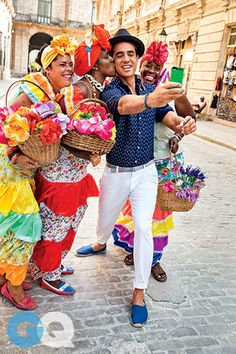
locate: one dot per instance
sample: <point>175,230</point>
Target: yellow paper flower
<point>16,129</point>
<point>40,124</point>
<point>77,114</point>
<point>22,110</point>
<point>113,133</point>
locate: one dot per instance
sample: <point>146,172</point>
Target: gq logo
<point>37,330</point>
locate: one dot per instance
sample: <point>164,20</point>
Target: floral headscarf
<point>88,52</point>
<point>156,52</point>
<point>62,44</point>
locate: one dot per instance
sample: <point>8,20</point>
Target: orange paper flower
<point>16,129</point>
<point>64,44</point>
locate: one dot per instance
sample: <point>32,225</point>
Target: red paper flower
<point>33,120</point>
<point>51,131</point>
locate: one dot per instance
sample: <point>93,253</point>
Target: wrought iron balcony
<point>48,20</point>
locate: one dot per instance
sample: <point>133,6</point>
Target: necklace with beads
<point>94,84</point>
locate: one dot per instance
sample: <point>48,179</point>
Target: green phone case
<point>176,74</point>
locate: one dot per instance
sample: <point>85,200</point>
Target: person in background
<point>198,107</point>
<point>151,69</point>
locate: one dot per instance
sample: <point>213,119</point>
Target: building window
<point>232,40</point>
<point>44,11</point>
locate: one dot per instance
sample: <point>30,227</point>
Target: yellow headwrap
<point>62,44</point>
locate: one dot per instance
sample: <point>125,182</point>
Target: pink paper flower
<point>104,131</point>
<point>96,126</point>
<point>168,187</point>
<point>4,112</point>
<point>87,126</point>
<point>3,140</point>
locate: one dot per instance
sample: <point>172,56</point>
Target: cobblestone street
<point>194,312</point>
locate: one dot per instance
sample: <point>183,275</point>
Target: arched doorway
<point>35,43</point>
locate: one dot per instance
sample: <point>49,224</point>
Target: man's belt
<point>128,169</point>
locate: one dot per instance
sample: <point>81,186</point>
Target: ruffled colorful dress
<point>20,223</point>
<point>62,189</point>
<point>162,222</point>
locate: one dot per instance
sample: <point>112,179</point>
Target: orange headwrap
<point>88,52</point>
<point>62,44</point>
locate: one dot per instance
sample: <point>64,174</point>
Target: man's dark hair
<point>111,51</point>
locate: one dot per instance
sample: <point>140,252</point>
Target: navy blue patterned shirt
<point>135,132</point>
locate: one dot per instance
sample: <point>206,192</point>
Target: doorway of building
<point>186,60</point>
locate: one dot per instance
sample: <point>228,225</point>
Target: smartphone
<point>177,74</point>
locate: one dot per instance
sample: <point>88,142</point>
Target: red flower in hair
<point>103,36</point>
<point>157,52</point>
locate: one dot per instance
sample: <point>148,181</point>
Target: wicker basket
<point>90,143</point>
<point>33,147</point>
<point>169,200</point>
<point>36,150</point>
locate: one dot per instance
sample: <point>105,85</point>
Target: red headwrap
<point>88,52</point>
<point>157,52</point>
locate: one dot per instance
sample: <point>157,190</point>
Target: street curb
<point>215,141</point>
<point>225,122</point>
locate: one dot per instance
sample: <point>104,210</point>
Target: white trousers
<point>140,187</point>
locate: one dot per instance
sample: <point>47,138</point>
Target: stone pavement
<point>194,312</point>
<point>218,131</point>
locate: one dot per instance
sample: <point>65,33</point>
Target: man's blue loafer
<point>139,316</point>
<point>86,251</point>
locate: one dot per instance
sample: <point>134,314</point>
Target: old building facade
<point>36,22</point>
<point>202,39</point>
<point>6,14</point>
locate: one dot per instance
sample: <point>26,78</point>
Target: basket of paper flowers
<point>91,127</point>
<point>182,193</point>
<point>37,131</point>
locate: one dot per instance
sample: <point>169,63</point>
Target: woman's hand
<point>26,163</point>
<point>95,159</point>
<point>173,144</point>
<point>186,126</point>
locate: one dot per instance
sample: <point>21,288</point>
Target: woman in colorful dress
<point>58,73</point>
<point>151,66</point>
<point>63,186</point>
<point>20,228</point>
